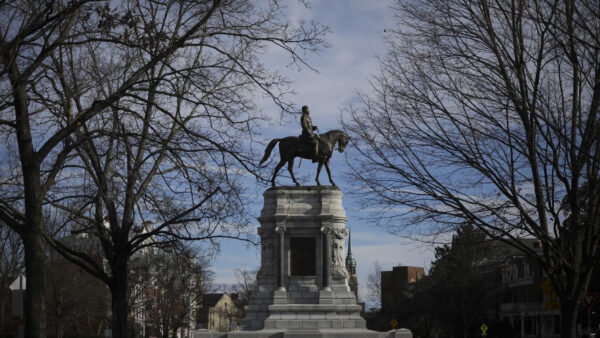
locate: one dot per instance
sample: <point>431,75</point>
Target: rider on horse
<point>319,148</point>
<point>308,134</point>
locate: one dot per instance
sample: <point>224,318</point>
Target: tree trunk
<point>120,306</point>
<point>32,231</point>
<point>568,319</point>
<point>35,301</point>
<point>3,298</point>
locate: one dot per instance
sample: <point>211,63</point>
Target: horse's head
<point>343,141</point>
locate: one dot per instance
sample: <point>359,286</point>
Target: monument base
<point>310,333</point>
<point>302,285</point>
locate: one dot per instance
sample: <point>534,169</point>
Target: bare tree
<point>487,112</point>
<point>77,303</point>
<point>11,265</point>
<point>34,37</point>
<point>168,289</point>
<point>456,285</point>
<point>79,75</point>
<point>374,285</point>
<point>244,288</point>
<point>170,150</point>
<point>28,35</point>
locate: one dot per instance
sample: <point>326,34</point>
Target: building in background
<point>166,289</point>
<point>219,312</point>
<point>520,294</point>
<point>504,288</point>
<point>397,284</point>
<point>351,267</point>
<point>77,303</point>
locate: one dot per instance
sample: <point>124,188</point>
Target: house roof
<point>211,299</point>
<point>500,251</point>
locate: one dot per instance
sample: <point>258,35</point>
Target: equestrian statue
<point>309,145</point>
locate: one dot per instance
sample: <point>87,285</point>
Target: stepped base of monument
<point>333,309</point>
<point>311,333</point>
<point>314,316</point>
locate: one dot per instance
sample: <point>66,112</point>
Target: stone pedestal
<point>302,282</point>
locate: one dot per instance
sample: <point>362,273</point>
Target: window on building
<point>548,325</point>
<point>530,327</point>
<point>520,270</point>
<point>303,256</point>
<point>508,274</point>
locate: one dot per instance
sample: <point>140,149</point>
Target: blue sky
<point>356,38</point>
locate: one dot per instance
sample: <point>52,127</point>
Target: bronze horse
<point>292,146</point>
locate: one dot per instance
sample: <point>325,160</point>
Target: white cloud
<point>357,27</point>
<point>355,39</point>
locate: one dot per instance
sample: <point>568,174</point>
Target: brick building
<point>397,284</point>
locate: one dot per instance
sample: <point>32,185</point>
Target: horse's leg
<point>291,170</point>
<point>319,171</point>
<point>328,172</point>
<point>279,165</point>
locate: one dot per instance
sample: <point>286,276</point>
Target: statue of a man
<point>308,132</point>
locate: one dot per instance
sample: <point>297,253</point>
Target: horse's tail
<point>269,149</point>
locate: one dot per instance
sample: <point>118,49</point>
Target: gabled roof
<point>211,299</point>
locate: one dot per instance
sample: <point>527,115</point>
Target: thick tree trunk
<point>35,301</point>
<point>3,298</point>
<point>31,234</point>
<point>568,319</point>
<point>119,290</point>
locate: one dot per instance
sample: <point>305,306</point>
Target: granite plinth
<point>302,284</point>
<point>291,298</point>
